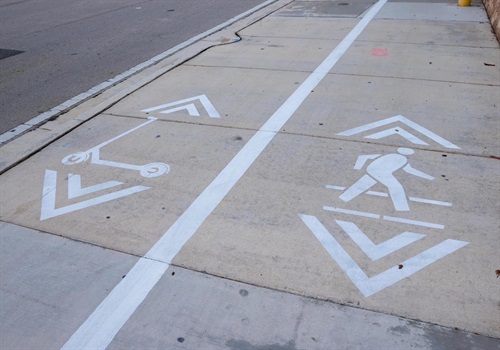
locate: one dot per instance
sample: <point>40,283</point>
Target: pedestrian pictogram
<point>383,170</point>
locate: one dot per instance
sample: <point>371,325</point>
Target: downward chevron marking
<point>371,285</point>
<point>74,190</point>
<point>377,251</point>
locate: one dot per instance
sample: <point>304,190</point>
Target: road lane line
<point>115,310</point>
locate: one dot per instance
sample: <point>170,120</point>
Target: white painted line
<point>384,194</point>
<point>110,315</point>
<point>371,285</point>
<point>377,251</point>
<point>91,334</point>
<point>72,102</point>
<point>352,212</point>
<point>430,201</point>
<point>209,107</point>
<point>413,222</point>
<point>385,217</point>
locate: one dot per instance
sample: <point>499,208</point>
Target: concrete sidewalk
<point>327,178</point>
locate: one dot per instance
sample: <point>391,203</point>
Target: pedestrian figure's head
<point>406,151</point>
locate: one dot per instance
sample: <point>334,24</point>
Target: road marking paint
<point>352,212</point>
<point>430,201</point>
<point>384,194</point>
<point>75,186</point>
<point>72,102</point>
<point>413,222</point>
<point>385,217</point>
<point>377,251</point>
<point>379,51</point>
<point>147,170</point>
<point>371,285</point>
<point>190,107</point>
<point>110,316</point>
<point>49,210</point>
<point>399,131</point>
<point>91,334</point>
<point>404,120</point>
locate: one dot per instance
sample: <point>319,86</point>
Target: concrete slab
<point>100,200</point>
<point>50,285</point>
<point>422,62</point>
<point>433,12</point>
<point>257,236</point>
<point>343,102</point>
<point>338,8</point>
<point>462,34</point>
<point>473,34</point>
<point>280,54</point>
<point>189,310</point>
<point>243,98</point>
<point>300,27</point>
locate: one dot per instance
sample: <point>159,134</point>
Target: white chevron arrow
<point>391,131</point>
<point>189,107</point>
<point>377,251</point>
<point>75,190</point>
<point>371,285</point>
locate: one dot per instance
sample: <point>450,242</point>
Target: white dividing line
<point>72,102</point>
<point>115,310</point>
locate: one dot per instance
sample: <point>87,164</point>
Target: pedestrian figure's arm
<point>362,160</point>
<point>410,170</point>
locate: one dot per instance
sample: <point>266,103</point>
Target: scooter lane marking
<point>110,316</point>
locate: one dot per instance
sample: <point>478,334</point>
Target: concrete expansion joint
<point>414,79</point>
<point>447,151</point>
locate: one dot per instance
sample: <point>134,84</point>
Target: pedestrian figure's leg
<point>358,188</point>
<point>397,193</point>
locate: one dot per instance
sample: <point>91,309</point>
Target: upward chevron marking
<point>190,107</point>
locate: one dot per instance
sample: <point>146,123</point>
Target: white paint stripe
<point>352,212</point>
<point>413,222</point>
<point>333,187</point>
<point>91,332</point>
<point>383,194</point>
<point>72,102</point>
<point>387,218</point>
<point>110,316</point>
<point>430,201</point>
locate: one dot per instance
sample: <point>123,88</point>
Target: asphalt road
<point>65,47</point>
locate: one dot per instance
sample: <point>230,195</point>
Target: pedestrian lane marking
<point>371,285</point>
<point>403,133</point>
